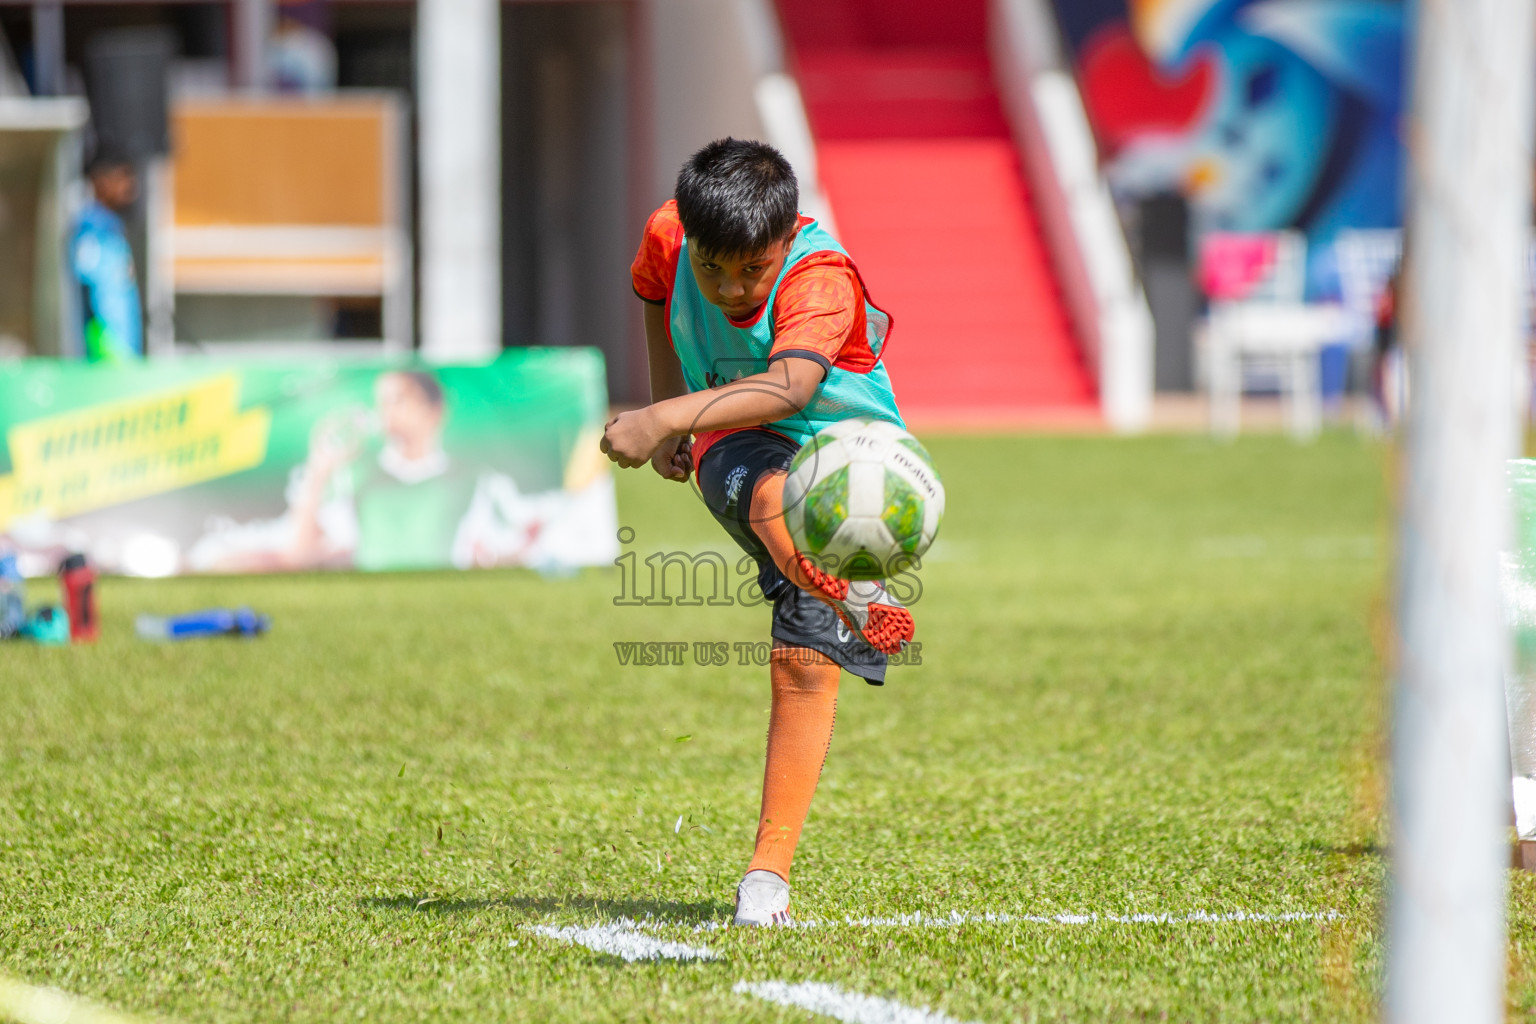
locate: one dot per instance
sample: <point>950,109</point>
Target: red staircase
<point>921,172</point>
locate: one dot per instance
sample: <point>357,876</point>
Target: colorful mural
<point>1267,114</point>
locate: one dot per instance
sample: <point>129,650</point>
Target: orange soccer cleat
<point>866,606</point>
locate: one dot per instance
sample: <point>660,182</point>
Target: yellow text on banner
<point>113,452</point>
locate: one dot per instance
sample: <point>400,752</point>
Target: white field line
<point>627,938</point>
<point>840,1004</point>
<point>31,1004</point>
<point>623,938</point>
<point>956,919</point>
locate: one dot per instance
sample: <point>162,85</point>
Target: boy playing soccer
<point>760,334</point>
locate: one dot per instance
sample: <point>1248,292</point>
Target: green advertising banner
<point>214,466</point>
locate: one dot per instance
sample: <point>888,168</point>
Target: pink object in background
<point>1231,264</point>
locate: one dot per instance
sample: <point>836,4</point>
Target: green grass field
<point>1150,685</point>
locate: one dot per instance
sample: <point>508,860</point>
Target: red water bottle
<point>79,581</point>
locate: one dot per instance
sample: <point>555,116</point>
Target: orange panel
<point>316,275</point>
<point>273,162</point>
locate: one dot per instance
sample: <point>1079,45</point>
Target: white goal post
<point>1468,221</point>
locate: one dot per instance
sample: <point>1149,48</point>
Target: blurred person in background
<point>99,254</point>
<point>301,58</point>
<point>1387,384</point>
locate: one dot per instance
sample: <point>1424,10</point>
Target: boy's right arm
<point>666,370</point>
<point>672,459</point>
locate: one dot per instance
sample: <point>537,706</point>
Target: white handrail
<point>1105,301</point>
<point>789,131</point>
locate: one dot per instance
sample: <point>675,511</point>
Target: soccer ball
<point>863,500</point>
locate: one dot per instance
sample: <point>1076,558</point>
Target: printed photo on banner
<point>197,467</point>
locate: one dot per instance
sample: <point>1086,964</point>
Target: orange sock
<point>768,524</point>
<point>804,705</point>
<point>799,734</point>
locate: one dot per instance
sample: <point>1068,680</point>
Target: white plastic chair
<point>1271,332</point>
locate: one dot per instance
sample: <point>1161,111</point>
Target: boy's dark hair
<point>737,197</point>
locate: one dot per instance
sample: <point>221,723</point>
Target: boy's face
<point>739,284</point>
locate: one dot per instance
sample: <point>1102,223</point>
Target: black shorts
<point>727,475</point>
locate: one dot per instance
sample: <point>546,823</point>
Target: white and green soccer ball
<point>863,500</point>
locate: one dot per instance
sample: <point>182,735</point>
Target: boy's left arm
<point>785,388</point>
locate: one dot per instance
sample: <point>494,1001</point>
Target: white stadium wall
<point>717,69</point>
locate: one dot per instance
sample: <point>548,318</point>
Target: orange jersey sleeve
<point>655,268</point>
<point>819,314</point>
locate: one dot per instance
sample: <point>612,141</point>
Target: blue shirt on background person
<point>102,260</point>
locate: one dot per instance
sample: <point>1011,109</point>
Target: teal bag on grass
<point>47,625</point>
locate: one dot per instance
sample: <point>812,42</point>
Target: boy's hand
<point>631,438</point>
<point>674,459</point>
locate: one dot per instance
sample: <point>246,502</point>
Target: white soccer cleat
<point>762,899</point>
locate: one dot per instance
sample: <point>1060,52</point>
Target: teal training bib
<point>715,351</point>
